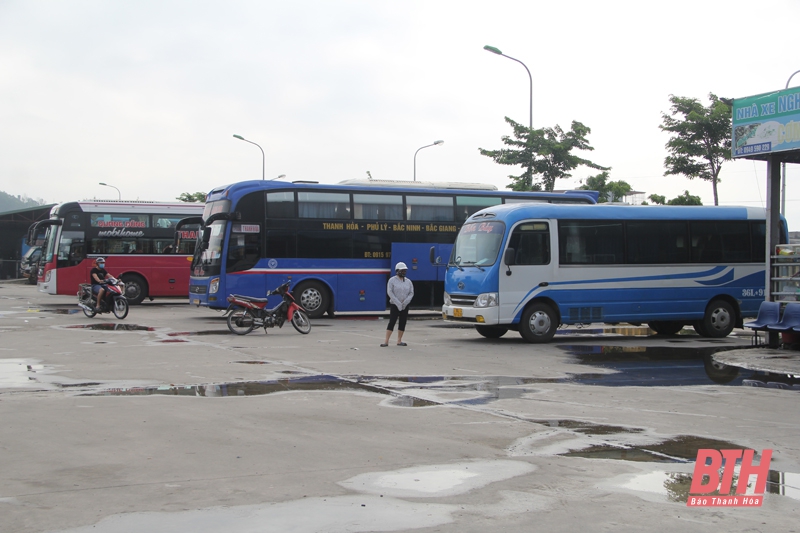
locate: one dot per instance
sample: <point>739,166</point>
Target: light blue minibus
<point>532,268</point>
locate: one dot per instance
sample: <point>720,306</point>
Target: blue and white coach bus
<point>336,243</point>
<point>531,268</point>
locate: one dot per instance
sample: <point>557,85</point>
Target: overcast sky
<point>147,95</point>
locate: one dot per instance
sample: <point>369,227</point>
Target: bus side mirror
<point>436,260</point>
<point>508,259</point>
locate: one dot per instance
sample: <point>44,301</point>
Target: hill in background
<point>14,203</point>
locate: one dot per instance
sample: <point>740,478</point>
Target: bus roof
<point>512,213</point>
<point>419,184</point>
<point>101,206</point>
<point>238,189</point>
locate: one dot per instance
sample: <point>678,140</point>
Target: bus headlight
<point>213,286</point>
<point>447,300</point>
<point>47,276</point>
<point>487,299</point>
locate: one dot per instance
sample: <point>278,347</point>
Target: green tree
<point>192,197</point>
<point>701,138</point>
<point>545,152</point>
<point>610,191</point>
<point>685,199</point>
<point>658,199</point>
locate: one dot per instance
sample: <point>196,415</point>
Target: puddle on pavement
<point>668,366</point>
<point>192,333</point>
<point>260,388</point>
<point>60,311</point>
<point>681,449</point>
<point>588,428</point>
<point>248,388</point>
<point>675,485</point>
<point>112,326</point>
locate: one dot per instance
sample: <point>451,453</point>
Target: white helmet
<point>400,266</point>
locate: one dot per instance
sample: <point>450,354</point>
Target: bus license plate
<point>196,301</point>
<point>457,312</point>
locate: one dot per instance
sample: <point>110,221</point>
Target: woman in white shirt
<point>400,291</point>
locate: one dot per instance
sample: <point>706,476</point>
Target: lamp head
<point>238,137</point>
<point>438,142</point>
<point>493,50</point>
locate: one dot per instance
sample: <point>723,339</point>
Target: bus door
<point>424,275</point>
<point>527,267</point>
<point>71,253</point>
<point>243,252</point>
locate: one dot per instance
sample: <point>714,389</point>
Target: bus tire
<point>491,332</point>
<point>135,288</point>
<point>313,297</point>
<point>719,319</point>
<point>539,323</point>
<point>666,327</point>
<point>698,327</point>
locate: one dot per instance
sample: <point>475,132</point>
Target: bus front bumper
<point>489,316</point>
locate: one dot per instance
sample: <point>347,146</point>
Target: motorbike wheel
<point>241,321</point>
<point>120,308</point>
<point>300,322</point>
<point>89,312</point>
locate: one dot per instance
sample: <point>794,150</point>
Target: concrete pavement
<point>174,424</point>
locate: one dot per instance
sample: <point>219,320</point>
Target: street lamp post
<point>435,143</point>
<point>119,194</point>
<point>494,50</point>
<point>263,158</point>
<point>497,51</point>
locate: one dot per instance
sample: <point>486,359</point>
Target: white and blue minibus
<point>532,268</point>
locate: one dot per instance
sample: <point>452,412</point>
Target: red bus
<point>138,240</point>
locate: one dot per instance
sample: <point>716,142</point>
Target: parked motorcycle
<point>113,301</point>
<point>246,313</point>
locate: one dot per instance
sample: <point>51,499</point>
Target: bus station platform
<point>762,358</point>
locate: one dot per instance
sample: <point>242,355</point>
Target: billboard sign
<point>766,123</point>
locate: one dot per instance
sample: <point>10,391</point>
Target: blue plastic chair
<point>769,313</point>
<point>789,320</point>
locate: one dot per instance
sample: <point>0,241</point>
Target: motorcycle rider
<point>98,275</point>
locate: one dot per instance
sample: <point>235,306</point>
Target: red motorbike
<point>246,313</point>
<point>113,299</point>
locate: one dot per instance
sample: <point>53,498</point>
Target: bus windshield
<point>478,244</point>
<point>207,262</point>
<point>49,246</point>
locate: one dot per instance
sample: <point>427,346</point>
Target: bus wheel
<point>313,297</point>
<point>135,288</point>
<point>491,332</point>
<point>719,320</point>
<point>667,327</point>
<point>538,324</point>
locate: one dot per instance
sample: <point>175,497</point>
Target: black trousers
<point>394,314</point>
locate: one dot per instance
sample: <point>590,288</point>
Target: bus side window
<point>532,244</point>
